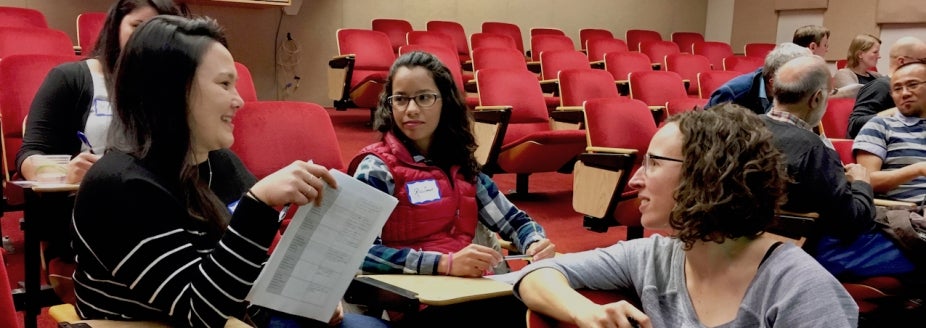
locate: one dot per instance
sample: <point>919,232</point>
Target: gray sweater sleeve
<point>789,290</point>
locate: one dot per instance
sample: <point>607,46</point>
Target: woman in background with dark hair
<point>74,98</point>
<point>714,179</point>
<point>153,241</point>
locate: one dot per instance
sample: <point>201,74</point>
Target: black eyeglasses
<point>423,100</point>
<point>649,159</point>
<point>910,85</point>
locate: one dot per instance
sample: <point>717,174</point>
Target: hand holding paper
<point>313,264</point>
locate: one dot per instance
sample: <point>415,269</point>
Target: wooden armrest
<point>614,161</point>
<point>367,291</point>
<point>623,87</point>
<point>492,114</point>
<point>482,108</point>
<point>599,180</point>
<point>810,215</point>
<point>66,316</point>
<point>598,64</point>
<point>687,83</point>
<point>468,65</point>
<point>491,124</point>
<point>408,291</point>
<point>657,108</point>
<point>569,108</point>
<point>471,86</point>
<point>341,61</point>
<point>656,66</point>
<point>888,202</point>
<point>612,150</point>
<point>533,66</point>
<point>550,86</point>
<point>568,116</point>
<point>793,225</point>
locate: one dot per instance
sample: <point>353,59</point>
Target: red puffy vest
<point>423,221</point>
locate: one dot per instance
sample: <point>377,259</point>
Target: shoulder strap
<point>769,252</point>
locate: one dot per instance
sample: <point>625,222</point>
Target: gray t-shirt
<point>789,290</point>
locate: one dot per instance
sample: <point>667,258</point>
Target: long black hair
<point>453,141</point>
<point>151,104</point>
<point>107,47</point>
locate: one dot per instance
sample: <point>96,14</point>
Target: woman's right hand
<point>619,314</point>
<point>78,167</point>
<point>471,261</point>
<point>298,183</point>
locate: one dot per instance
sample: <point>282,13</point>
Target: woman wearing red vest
<point>425,159</point>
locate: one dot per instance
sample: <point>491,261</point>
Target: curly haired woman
<point>713,179</point>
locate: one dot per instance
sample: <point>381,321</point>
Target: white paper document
<point>322,250</point>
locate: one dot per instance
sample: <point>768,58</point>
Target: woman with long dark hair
<point>426,160</point>
<point>153,241</point>
<point>75,96</point>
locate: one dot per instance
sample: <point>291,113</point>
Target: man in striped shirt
<point>893,148</point>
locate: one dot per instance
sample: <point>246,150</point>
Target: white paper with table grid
<point>322,250</point>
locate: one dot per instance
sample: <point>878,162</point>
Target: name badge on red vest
<point>422,191</point>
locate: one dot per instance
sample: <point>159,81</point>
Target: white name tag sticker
<point>422,191</point>
<point>101,107</point>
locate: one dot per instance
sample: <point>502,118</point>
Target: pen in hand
<point>84,140</point>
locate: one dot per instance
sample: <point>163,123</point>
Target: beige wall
<point>719,22</point>
<point>252,31</point>
<point>757,20</point>
<point>753,21</point>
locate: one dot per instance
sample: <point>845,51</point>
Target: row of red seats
<point>89,25</point>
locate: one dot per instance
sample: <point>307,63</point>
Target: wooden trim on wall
<point>900,11</point>
<point>800,4</point>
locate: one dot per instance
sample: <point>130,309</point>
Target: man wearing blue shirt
<point>753,90</point>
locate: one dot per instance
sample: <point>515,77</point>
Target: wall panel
<point>753,21</point>
<point>847,18</point>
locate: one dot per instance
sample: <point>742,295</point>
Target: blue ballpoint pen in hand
<point>84,140</point>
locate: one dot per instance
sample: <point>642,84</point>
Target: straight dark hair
<point>107,47</point>
<point>453,141</point>
<point>151,104</point>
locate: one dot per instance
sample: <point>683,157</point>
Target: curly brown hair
<point>735,176</point>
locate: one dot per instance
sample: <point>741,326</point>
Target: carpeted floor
<point>550,202</point>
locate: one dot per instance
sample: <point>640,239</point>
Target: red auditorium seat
<point>365,57</point>
<point>635,36</point>
<point>530,144</point>
<point>394,28</point>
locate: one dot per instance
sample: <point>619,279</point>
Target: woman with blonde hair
<point>864,52</point>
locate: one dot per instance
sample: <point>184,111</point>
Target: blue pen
<point>84,140</point>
